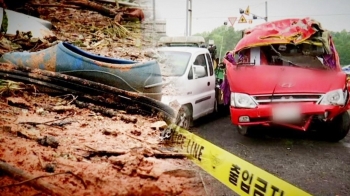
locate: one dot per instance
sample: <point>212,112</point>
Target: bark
<point>93,6</point>
<point>101,153</point>
<point>134,13</point>
<point>89,90</point>
<point>55,5</point>
<point>95,152</point>
<point>98,109</point>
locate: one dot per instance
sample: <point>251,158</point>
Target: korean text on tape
<point>239,175</point>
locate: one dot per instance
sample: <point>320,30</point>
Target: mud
<point>132,170</point>
<point>120,67</point>
<point>109,152</point>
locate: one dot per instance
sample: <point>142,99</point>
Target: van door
<point>212,82</point>
<point>203,87</point>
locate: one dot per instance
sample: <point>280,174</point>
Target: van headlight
<point>241,100</point>
<point>334,97</point>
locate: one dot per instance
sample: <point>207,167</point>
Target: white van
<point>189,82</point>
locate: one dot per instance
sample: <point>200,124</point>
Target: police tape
<point>237,174</point>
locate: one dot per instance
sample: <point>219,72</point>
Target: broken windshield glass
<point>301,58</point>
<point>303,55</point>
<point>305,61</point>
<point>288,42</point>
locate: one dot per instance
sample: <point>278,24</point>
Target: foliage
<point>225,37</point>
<point>342,44</point>
<point>4,23</point>
<point>230,38</point>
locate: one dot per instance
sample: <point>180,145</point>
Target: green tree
<point>225,38</point>
<point>342,44</point>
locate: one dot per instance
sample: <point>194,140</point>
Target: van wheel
<point>218,109</point>
<point>338,128</point>
<point>184,117</point>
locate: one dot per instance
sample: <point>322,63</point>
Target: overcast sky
<point>334,15</point>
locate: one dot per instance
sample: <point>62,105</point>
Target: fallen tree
<point>89,90</point>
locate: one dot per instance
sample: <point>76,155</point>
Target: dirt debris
<point>73,147</point>
<point>102,160</point>
<point>84,27</point>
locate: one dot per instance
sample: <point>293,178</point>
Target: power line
<point>230,9</point>
<point>344,14</point>
<point>200,17</point>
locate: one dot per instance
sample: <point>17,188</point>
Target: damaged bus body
<point>287,72</point>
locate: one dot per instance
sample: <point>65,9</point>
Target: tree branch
<point>39,184</point>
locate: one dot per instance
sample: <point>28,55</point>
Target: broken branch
<point>94,6</point>
<point>43,176</point>
<point>37,183</point>
<point>42,123</point>
<point>169,155</point>
<point>139,139</point>
<point>100,109</point>
<point>92,91</point>
<point>95,152</point>
<point>56,5</point>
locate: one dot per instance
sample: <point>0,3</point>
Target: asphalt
<point>305,160</point>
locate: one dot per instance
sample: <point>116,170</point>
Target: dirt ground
<point>107,156</point>
<point>50,146</point>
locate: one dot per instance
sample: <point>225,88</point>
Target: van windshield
<point>301,55</point>
<point>173,63</point>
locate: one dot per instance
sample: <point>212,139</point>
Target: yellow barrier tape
<point>237,174</point>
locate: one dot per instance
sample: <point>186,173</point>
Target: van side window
<point>200,60</point>
<point>210,62</point>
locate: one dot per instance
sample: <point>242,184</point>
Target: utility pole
<point>188,17</point>
<point>154,19</point>
<point>266,11</point>
<point>190,10</point>
<point>222,43</point>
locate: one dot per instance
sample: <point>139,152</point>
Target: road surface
<point>302,159</point>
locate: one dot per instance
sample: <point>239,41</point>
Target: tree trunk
<point>94,6</point>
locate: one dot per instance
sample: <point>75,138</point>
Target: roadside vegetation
<point>227,37</point>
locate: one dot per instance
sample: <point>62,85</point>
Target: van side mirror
<point>199,71</point>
